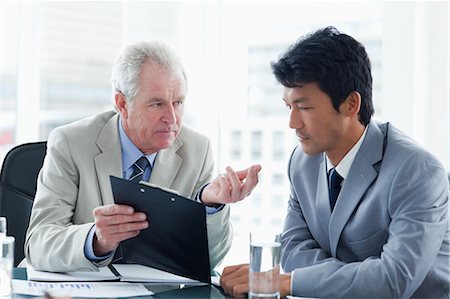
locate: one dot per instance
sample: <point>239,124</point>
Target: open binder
<point>114,272</point>
<point>176,240</point>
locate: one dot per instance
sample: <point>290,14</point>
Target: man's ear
<point>121,104</point>
<point>351,105</point>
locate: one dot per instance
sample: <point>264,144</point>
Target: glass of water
<point>6,265</point>
<point>2,227</point>
<point>264,276</point>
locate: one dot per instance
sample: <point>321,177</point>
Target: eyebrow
<point>158,99</point>
<point>297,100</point>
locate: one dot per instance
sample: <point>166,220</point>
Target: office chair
<point>17,189</point>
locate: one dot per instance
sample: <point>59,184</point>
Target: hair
<point>128,64</point>
<point>335,61</point>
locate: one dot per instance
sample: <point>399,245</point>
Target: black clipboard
<point>176,240</point>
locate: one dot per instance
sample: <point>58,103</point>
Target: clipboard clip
<point>159,187</point>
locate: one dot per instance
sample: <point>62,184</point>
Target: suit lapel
<point>109,161</point>
<point>360,177</point>
<point>322,202</point>
<point>167,165</point>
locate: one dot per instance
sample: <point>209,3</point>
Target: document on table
<point>103,274</point>
<point>122,272</point>
<point>80,289</point>
<point>140,273</point>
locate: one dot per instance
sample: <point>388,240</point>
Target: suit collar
<point>322,202</point>
<point>109,161</point>
<point>167,165</point>
<point>361,175</point>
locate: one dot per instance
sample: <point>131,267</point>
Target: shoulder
<point>404,149</point>
<point>407,163</point>
<point>85,127</point>
<point>83,134</point>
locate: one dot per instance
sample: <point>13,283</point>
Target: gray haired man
<point>75,224</point>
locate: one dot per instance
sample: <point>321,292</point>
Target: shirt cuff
<point>89,248</point>
<point>209,210</point>
<point>294,286</point>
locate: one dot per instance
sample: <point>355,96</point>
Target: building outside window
<point>56,60</point>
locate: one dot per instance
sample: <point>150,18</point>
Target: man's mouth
<point>301,136</point>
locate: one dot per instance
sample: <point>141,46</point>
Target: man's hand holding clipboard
<point>175,241</point>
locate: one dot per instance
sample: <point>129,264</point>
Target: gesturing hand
<point>231,186</point>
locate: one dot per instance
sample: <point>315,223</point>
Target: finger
<point>236,286</point>
<point>242,174</point>
<point>113,209</point>
<point>235,184</point>
<point>250,182</point>
<point>230,269</point>
<point>111,236</point>
<point>114,240</point>
<point>127,227</point>
<point>236,275</point>
<point>119,219</point>
<point>240,290</point>
<point>224,191</point>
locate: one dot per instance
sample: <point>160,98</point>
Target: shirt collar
<point>130,153</point>
<point>343,167</point>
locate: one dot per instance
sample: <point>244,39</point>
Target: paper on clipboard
<point>176,240</point>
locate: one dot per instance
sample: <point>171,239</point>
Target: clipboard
<point>176,240</point>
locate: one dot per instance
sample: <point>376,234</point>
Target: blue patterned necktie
<point>334,185</point>
<point>138,169</point>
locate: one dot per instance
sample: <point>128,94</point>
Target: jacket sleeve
<point>53,242</point>
<point>218,224</point>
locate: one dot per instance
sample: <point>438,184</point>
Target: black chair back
<point>18,180</point>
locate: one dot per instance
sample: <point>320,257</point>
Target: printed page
<point>139,273</point>
<point>103,274</point>
<point>79,289</point>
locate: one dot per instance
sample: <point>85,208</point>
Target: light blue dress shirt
<point>130,154</point>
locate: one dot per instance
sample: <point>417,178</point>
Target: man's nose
<point>169,115</point>
<point>295,119</point>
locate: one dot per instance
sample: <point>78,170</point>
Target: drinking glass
<point>6,265</point>
<point>2,227</point>
<point>264,276</point>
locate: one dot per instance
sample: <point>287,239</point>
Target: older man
<point>75,224</point>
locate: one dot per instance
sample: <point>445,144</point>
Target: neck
<point>347,142</point>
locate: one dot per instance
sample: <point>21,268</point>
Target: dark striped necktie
<point>139,168</point>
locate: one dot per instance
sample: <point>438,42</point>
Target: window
<point>236,144</point>
<point>56,59</point>
<point>278,152</point>
<point>256,145</point>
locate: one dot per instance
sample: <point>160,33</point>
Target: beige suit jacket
<point>75,179</point>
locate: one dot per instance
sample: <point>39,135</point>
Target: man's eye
<point>288,106</point>
<point>156,104</point>
<point>178,103</point>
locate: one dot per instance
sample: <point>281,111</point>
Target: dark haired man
<point>368,210</point>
